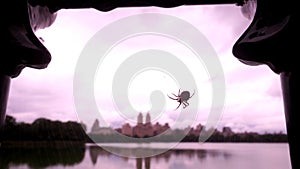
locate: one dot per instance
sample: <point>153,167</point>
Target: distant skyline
<point>253,93</point>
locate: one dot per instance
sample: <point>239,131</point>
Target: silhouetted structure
<point>227,131</point>
<point>189,134</point>
<point>96,129</point>
<point>96,126</point>
<point>140,130</point>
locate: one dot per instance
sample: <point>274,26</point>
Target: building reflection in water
<point>70,155</point>
<point>96,151</point>
<point>139,163</point>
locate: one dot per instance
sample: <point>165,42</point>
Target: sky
<point>253,100</point>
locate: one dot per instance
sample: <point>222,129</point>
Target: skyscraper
<point>140,119</point>
<point>148,118</point>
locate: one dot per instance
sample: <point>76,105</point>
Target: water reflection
<point>139,163</point>
<point>41,156</point>
<point>95,152</point>
<point>187,156</point>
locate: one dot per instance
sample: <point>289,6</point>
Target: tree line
<point>46,130</point>
<point>42,130</point>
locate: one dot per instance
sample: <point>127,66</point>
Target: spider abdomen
<point>185,95</point>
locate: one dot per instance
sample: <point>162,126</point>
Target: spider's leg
<point>175,95</point>
<point>192,94</point>
<point>178,106</point>
<point>171,97</point>
<point>179,92</point>
<point>185,103</point>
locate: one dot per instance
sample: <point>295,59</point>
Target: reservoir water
<point>183,156</point>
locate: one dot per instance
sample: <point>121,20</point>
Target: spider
<point>182,98</point>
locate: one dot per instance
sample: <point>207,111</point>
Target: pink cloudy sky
<point>253,93</point>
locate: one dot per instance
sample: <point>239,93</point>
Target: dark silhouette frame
<point>261,43</point>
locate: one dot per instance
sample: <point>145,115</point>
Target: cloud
<point>259,115</point>
<point>32,95</point>
<point>245,74</point>
<point>275,89</point>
